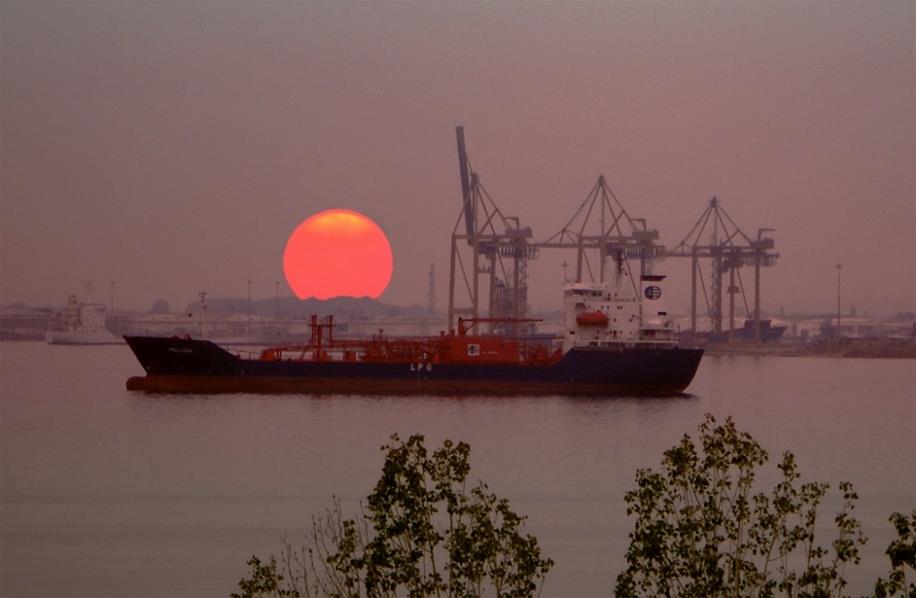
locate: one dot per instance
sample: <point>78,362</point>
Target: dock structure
<point>491,251</point>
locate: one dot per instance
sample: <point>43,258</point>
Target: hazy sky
<point>174,146</point>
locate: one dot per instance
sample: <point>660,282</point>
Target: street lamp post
<point>204,330</point>
<point>839,330</point>
<point>248,310</point>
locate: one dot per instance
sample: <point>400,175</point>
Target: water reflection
<point>190,483</point>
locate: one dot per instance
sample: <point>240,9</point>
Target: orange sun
<point>337,253</point>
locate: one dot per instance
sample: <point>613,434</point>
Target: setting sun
<point>337,253</point>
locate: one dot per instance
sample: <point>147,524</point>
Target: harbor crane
<point>487,244</point>
<point>493,249</point>
<point>601,227</point>
<point>728,249</point>
<point>499,249</point>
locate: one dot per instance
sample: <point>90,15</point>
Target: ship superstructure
<point>81,324</point>
<point>597,316</point>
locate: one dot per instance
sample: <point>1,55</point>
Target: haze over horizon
<point>173,147</point>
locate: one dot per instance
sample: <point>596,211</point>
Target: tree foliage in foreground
<point>422,533</point>
<point>702,530</point>
<point>902,553</point>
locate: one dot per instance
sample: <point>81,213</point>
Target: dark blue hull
<point>184,365</point>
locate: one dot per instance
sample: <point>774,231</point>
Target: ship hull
<point>175,365</point>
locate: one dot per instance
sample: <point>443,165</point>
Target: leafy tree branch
<point>423,533</point>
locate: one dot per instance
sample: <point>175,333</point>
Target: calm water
<point>111,493</point>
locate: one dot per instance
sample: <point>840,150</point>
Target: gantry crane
<point>499,249</point>
<point>728,249</point>
<point>602,226</point>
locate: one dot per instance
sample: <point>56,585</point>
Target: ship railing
<point>245,354</point>
<point>623,343</point>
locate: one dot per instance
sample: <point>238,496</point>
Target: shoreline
<point>870,348</point>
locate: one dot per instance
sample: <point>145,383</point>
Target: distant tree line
<point>700,530</point>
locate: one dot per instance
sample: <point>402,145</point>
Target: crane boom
<point>465,174</point>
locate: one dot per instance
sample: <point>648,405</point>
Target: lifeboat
<point>592,318</point>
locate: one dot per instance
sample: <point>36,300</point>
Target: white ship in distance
<point>83,324</point>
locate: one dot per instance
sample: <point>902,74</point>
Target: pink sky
<point>173,147</point>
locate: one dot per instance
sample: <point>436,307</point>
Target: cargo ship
<point>611,345</point>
